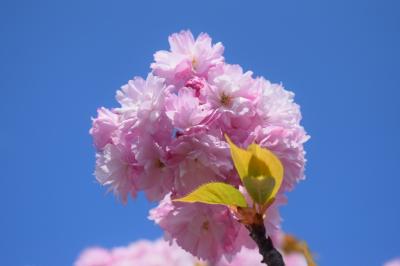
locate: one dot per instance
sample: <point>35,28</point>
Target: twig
<point>270,255</point>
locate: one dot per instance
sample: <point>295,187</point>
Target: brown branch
<point>270,255</point>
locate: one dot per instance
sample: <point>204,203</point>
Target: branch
<point>270,255</point>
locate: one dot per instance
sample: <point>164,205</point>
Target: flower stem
<point>270,255</point>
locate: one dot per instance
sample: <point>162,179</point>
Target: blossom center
<point>225,100</point>
<point>194,63</point>
<point>205,225</point>
<point>159,164</point>
<point>196,84</point>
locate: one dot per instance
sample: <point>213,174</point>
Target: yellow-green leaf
<point>259,187</point>
<point>241,158</point>
<point>259,169</point>
<point>216,193</point>
<point>273,167</point>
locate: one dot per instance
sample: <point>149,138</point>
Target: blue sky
<point>60,60</point>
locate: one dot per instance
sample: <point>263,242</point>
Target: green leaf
<point>260,188</point>
<point>259,169</point>
<point>240,157</point>
<point>216,193</point>
<point>270,166</point>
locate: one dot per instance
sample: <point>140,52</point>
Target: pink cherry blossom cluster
<point>140,253</point>
<point>161,253</point>
<point>167,137</point>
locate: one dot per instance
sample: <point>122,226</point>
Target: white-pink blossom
<point>188,56</point>
<point>139,253</point>
<point>208,231</point>
<point>115,167</point>
<point>104,126</point>
<point>156,177</point>
<point>197,159</point>
<point>185,109</point>
<point>94,256</point>
<point>276,105</point>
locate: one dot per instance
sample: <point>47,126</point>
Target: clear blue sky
<point>60,60</point>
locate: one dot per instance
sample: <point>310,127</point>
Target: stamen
<point>194,63</point>
<point>159,163</point>
<point>206,225</point>
<point>225,100</point>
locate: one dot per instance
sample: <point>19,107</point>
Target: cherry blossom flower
<point>104,126</point>
<point>188,56</point>
<point>207,231</point>
<point>185,109</point>
<point>197,159</point>
<point>140,253</point>
<point>115,168</point>
<point>94,256</point>
<point>156,178</point>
